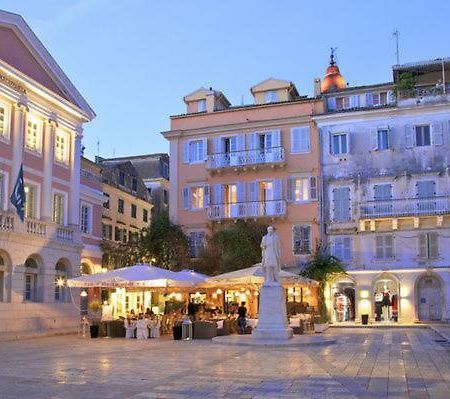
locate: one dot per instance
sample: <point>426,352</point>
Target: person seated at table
<point>141,327</point>
<point>130,326</point>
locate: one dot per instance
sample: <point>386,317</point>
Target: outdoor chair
<point>204,329</point>
<point>225,329</point>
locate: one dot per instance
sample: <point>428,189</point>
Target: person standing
<point>242,318</point>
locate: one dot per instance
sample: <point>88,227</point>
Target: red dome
<point>333,79</point>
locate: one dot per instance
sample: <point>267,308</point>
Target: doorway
<point>429,292</point>
<point>343,301</point>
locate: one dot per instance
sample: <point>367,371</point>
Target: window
<point>60,282</point>
<point>133,211</point>
<point>30,288</point>
<point>339,143</point>
<point>166,196</point>
<point>379,98</point>
<point>33,136</point>
<point>201,105</point>
<point>133,236</point>
<point>342,103</point>
<point>382,192</point>
<point>117,234</point>
<point>271,96</point>
<point>195,151</point>
<point>384,247</point>
<point>196,242</point>
<point>299,139</point>
<point>423,135</point>
<point>428,245</point>
<point>123,235</point>
<point>134,184</point>
<point>341,204</point>
<point>107,231</point>
<point>197,197</point>
<point>58,208</point>
<point>342,248</point>
<point>120,205</point>
<point>62,147</point>
<point>382,139</point>
<point>426,188</point>
<point>4,121</point>
<point>85,219</point>
<point>30,201</point>
<point>302,189</point>
<point>301,240</point>
<point>106,203</point>
<point>3,190</point>
<point>122,178</point>
<point>2,278</point>
<point>144,215</point>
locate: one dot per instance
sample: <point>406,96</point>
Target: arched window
<point>61,294</point>
<point>31,276</point>
<point>85,268</point>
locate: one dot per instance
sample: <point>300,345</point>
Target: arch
<point>343,298</point>
<point>430,297</point>
<point>383,282</point>
<point>87,267</point>
<point>33,287</point>
<point>5,276</point>
<point>62,272</point>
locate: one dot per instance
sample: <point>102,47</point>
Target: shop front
<point>343,300</point>
<point>386,290</point>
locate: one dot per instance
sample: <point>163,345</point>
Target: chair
<point>204,329</point>
<point>225,328</point>
<point>116,329</point>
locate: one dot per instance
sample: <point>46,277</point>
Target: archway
<point>5,276</point>
<point>429,298</point>
<point>386,289</point>
<point>33,288</point>
<point>343,300</point>
<point>62,268</point>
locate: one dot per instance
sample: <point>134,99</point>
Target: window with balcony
<point>300,140</point>
<point>120,206</point>
<point>58,208</point>
<point>301,240</point>
<point>30,201</point>
<point>341,248</point>
<point>62,147</point>
<point>144,215</point>
<point>423,135</point>
<point>194,151</point>
<point>301,189</point>
<point>133,211</point>
<point>339,144</point>
<point>426,188</point>
<point>271,96</point>
<point>384,247</point>
<point>428,245</point>
<point>33,134</point>
<point>196,241</point>
<point>341,204</point>
<point>201,105</point>
<point>4,121</point>
<point>86,219</point>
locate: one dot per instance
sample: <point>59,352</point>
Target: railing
<point>90,176</point>
<point>246,157</point>
<point>6,222</point>
<point>64,233</point>
<point>36,227</point>
<point>252,209</point>
<point>405,207</point>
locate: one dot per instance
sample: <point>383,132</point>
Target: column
<point>49,140</point>
<point>17,143</point>
<point>75,164</point>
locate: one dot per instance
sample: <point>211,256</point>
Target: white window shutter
<point>304,139</point>
<point>438,133</point>
<point>277,189</point>
<point>313,187</point>
<point>206,196</point>
<point>354,101</point>
<point>373,137</point>
<point>217,194</point>
<point>186,198</point>
<point>252,141</point>
<point>347,248</point>
<point>253,191</point>
<point>186,158</point>
<point>409,136</point>
<point>204,149</point>
<point>423,253</point>
<point>290,187</point>
<point>218,147</point>
<point>433,245</point>
<point>295,139</point>
<point>330,143</point>
<point>300,139</point>
<point>331,103</point>
<point>388,246</point>
<point>369,99</point>
<point>240,192</point>
<point>349,144</point>
<point>241,142</point>
<point>379,252</point>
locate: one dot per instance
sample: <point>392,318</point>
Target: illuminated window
<point>33,136</point>
<point>197,197</point>
<point>4,121</point>
<point>302,188</point>
<point>62,147</point>
<point>30,201</point>
<point>58,208</point>
<point>201,105</point>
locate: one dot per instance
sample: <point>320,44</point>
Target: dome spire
<point>333,50</point>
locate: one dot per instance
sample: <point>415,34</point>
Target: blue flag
<point>18,195</point>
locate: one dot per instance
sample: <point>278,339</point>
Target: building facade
<point>41,118</point>
<point>386,196</point>
<point>254,162</point>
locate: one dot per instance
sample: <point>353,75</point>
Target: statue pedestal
<point>272,318</point>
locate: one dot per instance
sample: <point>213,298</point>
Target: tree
<point>321,268</point>
<point>121,254</point>
<point>232,247</point>
<point>166,243</point>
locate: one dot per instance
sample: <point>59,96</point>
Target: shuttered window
<point>299,140</point>
<point>423,135</point>
<point>339,143</point>
<point>342,248</point>
<point>384,246</point>
<point>195,197</point>
<point>382,192</point>
<point>194,151</point>
<point>85,219</point>
<point>426,188</point>
<point>301,240</point>
<point>301,189</point>
<point>341,204</point>
<point>428,245</point>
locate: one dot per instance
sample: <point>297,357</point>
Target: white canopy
<point>140,275</point>
<point>255,275</point>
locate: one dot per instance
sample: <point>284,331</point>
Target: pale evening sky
<point>134,60</point>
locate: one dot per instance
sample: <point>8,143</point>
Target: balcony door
<point>231,205</point>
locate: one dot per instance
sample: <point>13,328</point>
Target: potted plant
<point>94,316</point>
<point>321,268</point>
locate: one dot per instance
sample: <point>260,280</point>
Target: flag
<point>18,195</point>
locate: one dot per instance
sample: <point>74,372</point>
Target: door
<point>267,202</point>
<point>233,151</point>
<point>430,299</point>
<point>231,201</point>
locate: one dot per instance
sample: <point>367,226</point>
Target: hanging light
<point>219,291</point>
<point>83,294</point>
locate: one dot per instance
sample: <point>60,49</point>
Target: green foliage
<point>232,247</point>
<point>405,85</point>
<point>321,268</point>
<point>120,254</point>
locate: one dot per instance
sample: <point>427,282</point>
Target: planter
<point>94,331</point>
<point>365,319</point>
<point>320,327</point>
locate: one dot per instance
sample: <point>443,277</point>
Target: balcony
<point>424,95</point>
<point>10,223</point>
<point>241,159</point>
<point>247,210</point>
<point>408,207</point>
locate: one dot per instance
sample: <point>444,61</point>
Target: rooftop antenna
<point>333,55</point>
<point>396,35</point>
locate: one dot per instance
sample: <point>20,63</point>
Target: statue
<point>271,257</point>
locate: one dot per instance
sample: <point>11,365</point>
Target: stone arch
<point>420,295</point>
<point>5,276</point>
<point>87,267</point>
<point>33,278</point>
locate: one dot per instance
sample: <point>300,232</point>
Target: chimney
<point>317,89</point>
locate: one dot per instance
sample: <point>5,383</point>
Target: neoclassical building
<point>41,119</point>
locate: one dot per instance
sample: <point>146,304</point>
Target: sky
<point>134,60</point>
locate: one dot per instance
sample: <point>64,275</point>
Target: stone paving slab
<point>363,363</point>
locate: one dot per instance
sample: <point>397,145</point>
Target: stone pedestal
<point>272,317</point>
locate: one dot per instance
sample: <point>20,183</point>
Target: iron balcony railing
<point>246,157</point>
<point>405,207</point>
<point>251,209</point>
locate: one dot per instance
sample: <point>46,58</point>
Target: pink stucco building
<point>258,162</point>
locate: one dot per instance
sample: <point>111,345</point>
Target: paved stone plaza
<point>364,363</point>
